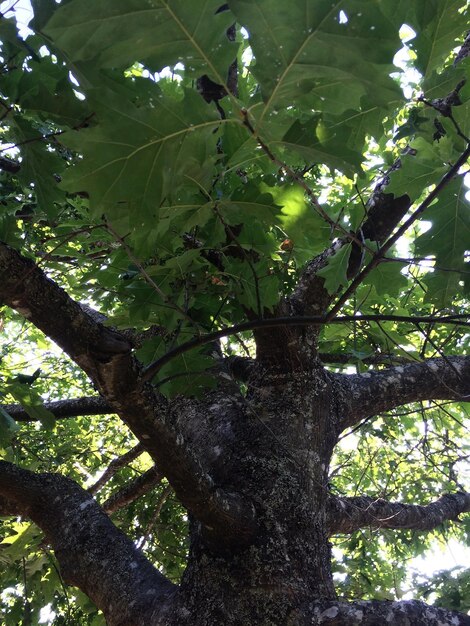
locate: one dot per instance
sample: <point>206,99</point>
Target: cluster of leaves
<point>169,211</point>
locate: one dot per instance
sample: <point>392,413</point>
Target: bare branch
<point>346,515</point>
<point>25,288</point>
<point>133,490</point>
<point>75,407</point>
<point>115,465</point>
<point>375,392</point>
<point>86,543</point>
<point>301,320</point>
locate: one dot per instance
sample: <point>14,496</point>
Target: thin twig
<point>378,256</point>
<point>155,515</point>
<point>115,465</point>
<point>274,322</point>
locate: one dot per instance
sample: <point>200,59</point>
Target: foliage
<point>447,588</point>
<point>162,209</point>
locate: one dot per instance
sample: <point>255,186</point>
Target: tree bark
<point>93,554</point>
<point>374,392</point>
<point>345,515</point>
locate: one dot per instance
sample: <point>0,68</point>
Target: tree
<point>246,231</point>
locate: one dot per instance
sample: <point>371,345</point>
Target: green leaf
<point>334,273</point>
<point>441,287</point>
<point>39,166</point>
<point>420,168</point>
<point>48,92</point>
<point>335,64</point>
<point>387,278</point>
<point>307,231</point>
<point>169,31</point>
<point>138,158</point>
<point>412,125</point>
<point>255,287</point>
<point>321,140</point>
<point>26,535</point>
<point>438,24</point>
<point>449,234</point>
<point>33,404</point>
<point>8,427</point>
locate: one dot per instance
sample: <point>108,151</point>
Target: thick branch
<point>374,392</point>
<point>346,515</point>
<point>24,287</point>
<point>375,612</point>
<point>87,545</point>
<point>75,407</point>
<point>107,358</point>
<point>310,296</point>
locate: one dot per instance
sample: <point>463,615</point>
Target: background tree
<point>234,269</point>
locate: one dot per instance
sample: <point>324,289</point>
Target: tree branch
<point>384,213</point>
<point>75,407</point>
<point>133,490</point>
<point>346,515</point>
<point>115,465</point>
<point>302,320</point>
<point>375,612</point>
<point>371,393</point>
<point>385,247</point>
<point>297,347</point>
<point>106,357</point>
<point>87,545</point>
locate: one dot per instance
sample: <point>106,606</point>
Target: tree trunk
<point>281,462</point>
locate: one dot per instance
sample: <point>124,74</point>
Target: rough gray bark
<point>375,392</point>
<point>108,360</point>
<point>93,554</point>
<point>345,515</point>
<point>374,613</point>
